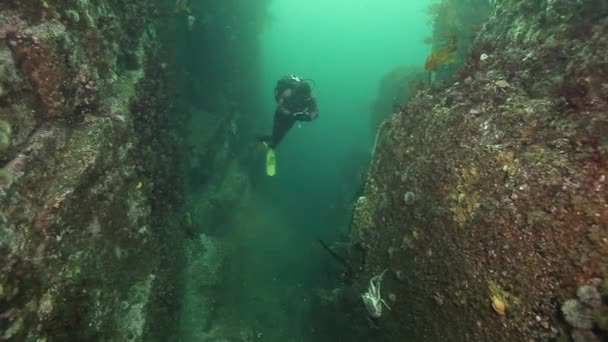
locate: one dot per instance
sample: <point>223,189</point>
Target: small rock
<point>589,295</point>
<point>45,308</point>
<point>13,329</point>
<point>577,315</point>
<point>502,84</point>
<point>409,198</point>
<point>580,335</point>
<point>73,16</point>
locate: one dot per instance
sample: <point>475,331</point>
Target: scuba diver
<point>295,102</point>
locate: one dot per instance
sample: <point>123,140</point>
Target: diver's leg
<point>268,140</point>
<point>280,129</point>
<point>265,139</point>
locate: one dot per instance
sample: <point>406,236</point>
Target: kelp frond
<point>444,55</point>
<point>182,6</point>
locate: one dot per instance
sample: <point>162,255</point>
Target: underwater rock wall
<point>89,190</point>
<point>396,87</point>
<point>217,55</point>
<point>486,200</point>
<point>220,97</point>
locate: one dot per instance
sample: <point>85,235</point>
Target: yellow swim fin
<point>271,162</point>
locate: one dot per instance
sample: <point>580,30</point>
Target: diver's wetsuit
<point>289,110</point>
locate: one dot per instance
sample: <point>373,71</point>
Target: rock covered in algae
<point>72,223</point>
<point>508,162</point>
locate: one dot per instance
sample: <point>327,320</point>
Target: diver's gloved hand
<point>304,116</point>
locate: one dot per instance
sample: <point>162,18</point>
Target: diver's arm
<point>283,111</point>
<point>313,109</point>
<point>311,112</point>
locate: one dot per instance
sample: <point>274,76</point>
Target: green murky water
<point>273,267</point>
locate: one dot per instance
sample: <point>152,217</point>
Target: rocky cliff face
<point>89,185</point>
<point>486,200</point>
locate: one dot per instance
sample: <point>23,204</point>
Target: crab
<point>372,298</point>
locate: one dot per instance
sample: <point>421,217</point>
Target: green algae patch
<point>604,288</point>
<point>13,329</point>
<point>466,197</point>
<point>364,213</point>
<point>508,163</point>
<point>5,135</point>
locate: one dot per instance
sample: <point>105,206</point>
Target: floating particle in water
<point>191,21</point>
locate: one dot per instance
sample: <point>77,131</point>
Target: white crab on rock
<point>372,298</point>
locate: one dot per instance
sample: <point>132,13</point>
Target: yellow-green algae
<point>465,196</point>
<point>496,290</point>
